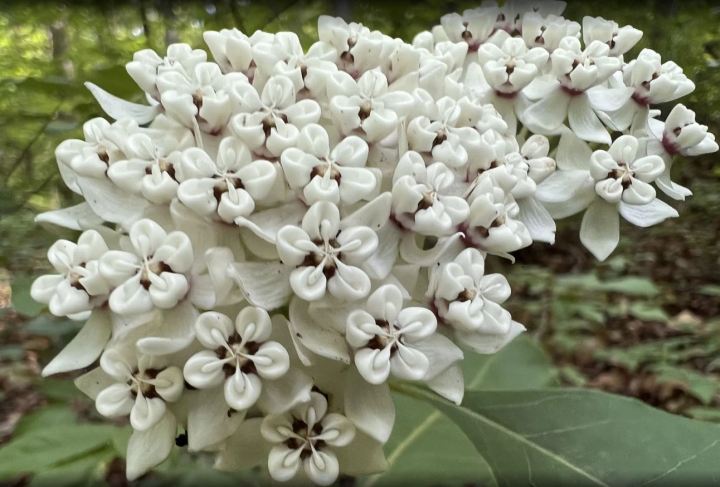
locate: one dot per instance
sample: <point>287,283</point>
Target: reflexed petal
<point>84,348</point>
<point>149,448</point>
<point>600,229</point>
<point>370,407</point>
<point>647,215</point>
<point>585,123</point>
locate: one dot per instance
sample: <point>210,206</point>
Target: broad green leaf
<point>43,418</point>
<point>21,300</point>
<point>42,448</point>
<point>576,437</point>
<point>428,449</point>
<point>520,365</point>
<point>53,327</point>
<point>59,390</point>
<point>85,470</point>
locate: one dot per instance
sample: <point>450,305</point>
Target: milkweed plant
<point>279,234</point>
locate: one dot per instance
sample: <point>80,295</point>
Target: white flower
<point>492,223</point>
<point>385,335</point>
<point>420,199</point>
<point>284,56</point>
<point>619,39</point>
<point>322,174</point>
<point>142,386</point>
<point>354,189</point>
<point>448,133</point>
<point>78,286</point>
<point>679,135</point>
<point>325,254</point>
<point>233,50</point>
<point>606,183</point>
<point>367,105</point>
<point>307,436</point>
<point>152,274</point>
<point>474,26</point>
<point>199,99</point>
<point>357,48</point>
<point>149,168</point>
<point>228,186</point>
<point>621,175</point>
<point>92,157</point>
<point>147,65</point>
<point>652,82</point>
<point>512,66</point>
<point>547,31</point>
<point>577,91</point>
<point>240,356</point>
<point>468,299</point>
<point>470,302</point>
<point>269,121</point>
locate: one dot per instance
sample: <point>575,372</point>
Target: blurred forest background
<point>645,323</point>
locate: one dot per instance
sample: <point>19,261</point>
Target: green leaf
<point>704,387</point>
<point>60,126</point>
<point>520,365</point>
<point>648,312</point>
<point>21,300</point>
<point>40,449</point>
<point>51,326</point>
<point>85,470</point>
<point>558,437</point>
<point>704,413</point>
<point>426,448</point>
<point>44,418</point>
<point>710,290</point>
<point>59,390</point>
<point>631,285</point>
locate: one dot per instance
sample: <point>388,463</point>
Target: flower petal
<point>600,229</point>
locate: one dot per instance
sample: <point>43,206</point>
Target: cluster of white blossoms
<point>278,234</point>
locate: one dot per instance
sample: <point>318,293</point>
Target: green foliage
<point>574,437</point>
<point>426,448</point>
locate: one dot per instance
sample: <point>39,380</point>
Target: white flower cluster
<point>281,232</point>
